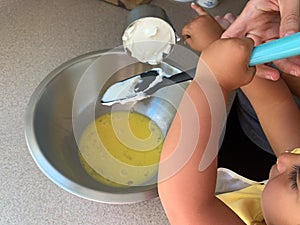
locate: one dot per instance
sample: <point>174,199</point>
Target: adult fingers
<point>225,21</point>
<point>289,11</point>
<point>230,17</point>
<point>290,66</point>
<point>256,38</point>
<point>267,72</point>
<point>237,29</point>
<point>240,26</point>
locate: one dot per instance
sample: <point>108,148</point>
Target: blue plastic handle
<point>278,49</point>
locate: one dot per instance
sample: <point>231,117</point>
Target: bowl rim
<point>49,170</point>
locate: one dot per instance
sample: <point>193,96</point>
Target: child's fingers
<point>287,160</point>
<point>250,44</point>
<point>198,9</point>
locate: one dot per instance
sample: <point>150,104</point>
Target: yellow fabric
<point>246,203</point>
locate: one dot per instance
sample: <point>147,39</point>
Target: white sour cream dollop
<point>149,39</point>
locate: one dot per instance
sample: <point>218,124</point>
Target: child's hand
<point>202,30</point>
<point>228,60</point>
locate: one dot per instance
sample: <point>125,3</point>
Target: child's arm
<point>188,194</point>
<point>277,112</point>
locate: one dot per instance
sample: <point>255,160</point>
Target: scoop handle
<point>278,49</point>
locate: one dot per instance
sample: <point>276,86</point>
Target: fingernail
<point>280,166</point>
<point>270,77</point>
<point>294,72</point>
<point>289,33</point>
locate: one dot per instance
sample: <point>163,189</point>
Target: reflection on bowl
<point>67,100</point>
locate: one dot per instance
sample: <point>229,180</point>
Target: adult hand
<point>265,20</point>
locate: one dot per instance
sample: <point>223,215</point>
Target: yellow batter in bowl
<point>121,148</point>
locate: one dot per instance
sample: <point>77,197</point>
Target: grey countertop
<point>35,38</point>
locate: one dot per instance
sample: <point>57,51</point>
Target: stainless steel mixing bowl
<point>67,100</point>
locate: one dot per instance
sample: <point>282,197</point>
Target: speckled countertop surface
<point>35,38</point>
